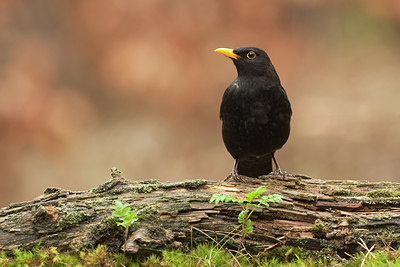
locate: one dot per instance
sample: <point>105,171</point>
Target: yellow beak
<point>227,52</point>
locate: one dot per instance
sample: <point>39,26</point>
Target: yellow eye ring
<point>251,55</point>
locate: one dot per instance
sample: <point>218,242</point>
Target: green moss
<point>353,220</point>
<point>284,253</point>
<point>380,217</point>
<point>383,193</point>
<point>343,192</point>
<point>390,236</point>
<point>203,255</point>
<point>104,187</point>
<point>378,198</point>
<point>46,219</point>
<point>193,184</point>
<point>329,246</point>
<point>69,217</point>
<point>189,184</point>
<point>144,188</point>
<point>321,228</point>
<point>385,257</point>
<point>180,206</point>
<point>105,231</point>
<point>323,257</point>
<point>148,213</point>
<point>53,190</point>
<point>288,255</point>
<point>108,224</point>
<point>307,197</point>
<point>52,257</point>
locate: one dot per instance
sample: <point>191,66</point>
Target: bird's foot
<point>235,176</point>
<point>278,171</point>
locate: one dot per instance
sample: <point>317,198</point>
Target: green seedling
<point>252,201</point>
<point>125,218</point>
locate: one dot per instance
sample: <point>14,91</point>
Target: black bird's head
<point>251,61</point>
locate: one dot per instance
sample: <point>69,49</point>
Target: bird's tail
<point>254,167</point>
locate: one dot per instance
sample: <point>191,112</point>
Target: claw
<point>278,172</point>
<point>234,174</point>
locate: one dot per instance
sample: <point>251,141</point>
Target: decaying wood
<point>322,215</point>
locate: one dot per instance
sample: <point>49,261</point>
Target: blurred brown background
<point>88,85</point>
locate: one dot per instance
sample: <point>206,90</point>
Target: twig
<point>362,244</point>
<point>368,251</point>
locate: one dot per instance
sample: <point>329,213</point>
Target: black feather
<point>255,113</point>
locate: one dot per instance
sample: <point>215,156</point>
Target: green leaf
<point>242,216</point>
<point>290,250</point>
<point>125,211</point>
<point>131,218</point>
<point>118,205</point>
<point>117,214</point>
<point>221,198</point>
<point>263,202</point>
<point>54,250</point>
<point>248,228</point>
<point>124,214</point>
<point>274,198</point>
<point>230,199</point>
<point>255,194</point>
<point>215,198</point>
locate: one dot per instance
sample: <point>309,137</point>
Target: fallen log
<point>329,216</point>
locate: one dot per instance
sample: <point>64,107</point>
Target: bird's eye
<point>251,55</point>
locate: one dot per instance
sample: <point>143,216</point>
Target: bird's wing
<point>227,98</point>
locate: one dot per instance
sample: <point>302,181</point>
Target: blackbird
<point>255,113</point>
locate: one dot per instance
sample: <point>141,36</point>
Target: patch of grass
<point>384,258</point>
<point>202,255</point>
<point>295,256</point>
<point>52,257</point>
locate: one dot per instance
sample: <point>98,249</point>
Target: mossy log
<point>328,216</point>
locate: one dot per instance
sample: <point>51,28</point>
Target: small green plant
<point>204,255</point>
<point>50,256</point>
<point>252,201</point>
<point>126,218</point>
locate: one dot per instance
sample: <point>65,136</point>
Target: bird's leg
<point>278,170</point>
<point>234,174</point>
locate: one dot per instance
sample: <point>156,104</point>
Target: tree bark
<point>318,215</point>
